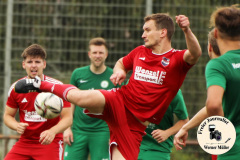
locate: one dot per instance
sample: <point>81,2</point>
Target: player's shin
<point>60,90</point>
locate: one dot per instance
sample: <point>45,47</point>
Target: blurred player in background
<point>158,73</point>
<point>213,49</point>
<point>213,52</point>
<point>158,142</point>
<point>40,138</point>
<point>89,135</point>
<point>223,79</point>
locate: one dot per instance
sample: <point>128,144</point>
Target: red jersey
<point>154,82</point>
<point>25,103</point>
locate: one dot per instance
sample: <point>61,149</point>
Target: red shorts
<point>125,130</point>
<point>214,157</point>
<point>24,150</point>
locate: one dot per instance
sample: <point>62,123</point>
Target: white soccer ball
<point>48,105</point>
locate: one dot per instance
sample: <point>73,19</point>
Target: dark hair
<point>227,21</point>
<point>213,42</point>
<point>98,41</point>
<point>34,50</point>
<point>162,20</point>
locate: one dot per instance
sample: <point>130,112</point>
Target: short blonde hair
<point>98,41</point>
<point>213,42</point>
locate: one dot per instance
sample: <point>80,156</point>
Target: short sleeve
<point>214,74</point>
<point>128,60</point>
<point>72,79</point>
<point>11,102</point>
<point>179,106</point>
<point>185,65</point>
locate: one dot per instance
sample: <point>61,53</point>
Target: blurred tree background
<point>64,28</point>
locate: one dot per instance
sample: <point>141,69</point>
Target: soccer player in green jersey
<point>89,135</point>
<point>158,142</point>
<point>223,79</point>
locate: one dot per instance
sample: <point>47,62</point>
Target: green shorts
<point>95,144</point>
<point>153,155</point>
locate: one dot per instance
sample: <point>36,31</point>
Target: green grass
<point>190,153</point>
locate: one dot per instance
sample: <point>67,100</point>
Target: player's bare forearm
<point>11,122</point>
<point>214,100</point>
<point>65,122</point>
<point>162,135</point>
<point>119,65</point>
<point>177,126</point>
<point>194,51</point>
<point>196,120</point>
<point>181,137</point>
<point>119,73</point>
<point>214,112</point>
<point>193,46</point>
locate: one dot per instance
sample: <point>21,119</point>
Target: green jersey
<point>224,71</point>
<point>176,107</point>
<point>85,79</point>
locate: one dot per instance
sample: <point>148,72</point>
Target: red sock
<point>214,157</point>
<point>60,90</point>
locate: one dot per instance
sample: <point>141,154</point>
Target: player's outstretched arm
<point>194,51</point>
<point>181,137</point>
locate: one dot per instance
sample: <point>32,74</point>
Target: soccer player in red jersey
<point>40,138</point>
<point>158,73</point>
